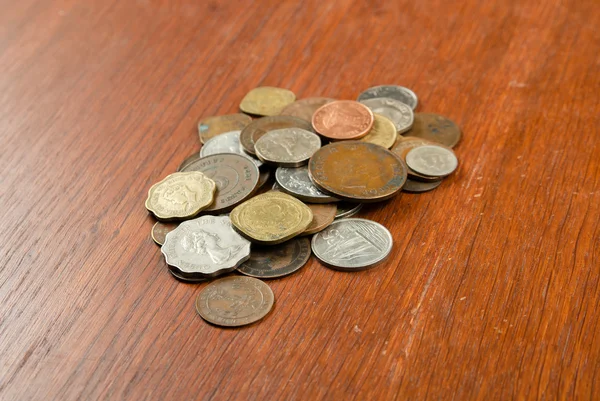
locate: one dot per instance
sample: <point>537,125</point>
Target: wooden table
<point>491,291</point>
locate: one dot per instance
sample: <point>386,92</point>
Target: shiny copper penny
<point>261,126</point>
<point>210,127</point>
<point>343,119</point>
<point>277,261</point>
<point>323,216</point>
<point>435,128</point>
<point>305,108</point>
<point>357,171</point>
<point>160,231</point>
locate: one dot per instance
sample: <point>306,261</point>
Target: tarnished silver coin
<point>352,244</point>
<point>228,142</point>
<point>420,186</point>
<point>432,160</point>
<point>296,182</point>
<point>205,247</point>
<point>400,93</point>
<point>347,209</point>
<point>287,147</point>
<point>399,113</point>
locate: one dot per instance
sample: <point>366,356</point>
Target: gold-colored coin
<point>383,132</point>
<point>180,196</point>
<point>271,218</point>
<point>323,216</point>
<point>210,127</point>
<point>266,101</point>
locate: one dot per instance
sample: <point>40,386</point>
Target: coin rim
<point>415,97</point>
<point>412,113</point>
<point>280,163</point>
<point>304,260</point>
<point>305,198</point>
<point>355,137</point>
<point>432,146</point>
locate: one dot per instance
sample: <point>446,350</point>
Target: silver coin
<point>420,186</point>
<point>399,113</point>
<point>188,278</point>
<point>296,182</point>
<point>228,142</point>
<point>352,244</point>
<point>432,160</point>
<point>205,247</point>
<point>400,93</point>
<point>287,147</point>
<point>276,187</point>
<point>346,209</point>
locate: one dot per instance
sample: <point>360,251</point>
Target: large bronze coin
<point>357,171</point>
<point>305,108</point>
<point>323,216</point>
<point>261,126</point>
<point>343,119</point>
<point>266,101</point>
<point>160,231</point>
<point>435,128</point>
<point>277,261</point>
<point>191,158</point>
<point>210,127</point>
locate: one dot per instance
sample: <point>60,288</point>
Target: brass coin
<point>210,127</point>
<point>287,147</point>
<point>160,231</point>
<point>343,119</point>
<point>234,301</point>
<point>191,158</point>
<point>435,128</point>
<point>271,218</point>
<point>261,126</point>
<point>266,101</point>
<point>323,215</point>
<point>277,261</point>
<point>305,108</point>
<point>418,186</point>
<point>357,171</point>
<point>383,132</point>
<point>180,196</point>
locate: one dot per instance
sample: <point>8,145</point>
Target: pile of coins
<point>220,213</point>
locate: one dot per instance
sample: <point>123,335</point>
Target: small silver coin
<point>399,113</point>
<point>400,93</point>
<point>352,244</point>
<point>346,209</point>
<point>228,142</point>
<point>432,160</point>
<point>287,147</point>
<point>296,182</point>
<point>188,278</point>
<point>420,186</point>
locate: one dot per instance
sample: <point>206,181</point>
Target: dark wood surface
<point>492,288</point>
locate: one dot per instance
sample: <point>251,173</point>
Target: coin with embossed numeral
<point>277,261</point>
<point>399,113</point>
<point>400,93</point>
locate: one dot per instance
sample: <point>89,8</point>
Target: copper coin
<point>278,261</point>
<point>236,177</point>
<point>357,171</point>
<point>419,186</point>
<point>343,119</point>
<point>305,108</point>
<point>404,145</point>
<point>435,128</point>
<point>323,216</point>
<point>261,126</point>
<point>210,127</point>
<point>191,158</point>
<point>160,231</point>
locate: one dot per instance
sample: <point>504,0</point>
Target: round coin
<point>400,93</point>
<point>357,171</point>
<point>399,113</point>
<point>160,231</point>
<point>347,209</point>
<point>406,144</point>
<point>305,108</point>
<point>234,301</point>
<point>186,278</point>
<point>191,158</point>
<point>228,142</point>
<point>419,186</point>
<point>259,127</point>
<point>212,126</point>
<point>277,261</point>
<point>296,182</point>
<point>323,216</point>
<point>435,128</point>
<point>432,160</point>
<point>287,147</point>
<point>352,244</point>
<point>266,101</point>
<point>383,132</point>
<point>343,119</point>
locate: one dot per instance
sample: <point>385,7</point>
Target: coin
<point>305,108</point>
<point>432,160</point>
<point>234,301</point>
<point>296,182</point>
<point>435,128</point>
<point>406,144</point>
<point>343,119</point>
<point>277,261</point>
<point>236,177</point>
<point>263,177</point>
<point>266,101</point>
<point>180,196</point>
<point>212,126</point>
<point>206,247</point>
<point>259,127</point>
<point>383,132</point>
<point>419,186</point>
<point>357,171</point>
<point>347,209</point>
<point>287,147</point>
<point>352,244</point>
<point>399,113</point>
<point>160,231</point>
<point>185,278</point>
<point>228,142</point>
<point>191,158</point>
<point>400,93</point>
<point>271,218</point>
<point>323,215</point>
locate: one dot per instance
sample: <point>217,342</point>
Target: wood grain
<point>492,289</point>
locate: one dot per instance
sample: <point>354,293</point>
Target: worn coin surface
<point>357,171</point>
<point>287,147</point>
<point>206,246</point>
<point>180,195</point>
<point>234,301</point>
<point>383,132</point>
<point>160,231</point>
<point>305,108</point>
<point>296,182</point>
<point>420,186</point>
<point>236,177</point>
<point>432,160</point>
<point>212,126</point>
<point>261,126</point>
<point>323,215</point>
<point>191,158</point>
<point>228,142</point>
<point>435,128</point>
<point>400,93</point>
<point>399,113</point>
<point>266,101</point>
<point>343,119</point>
<point>347,209</point>
<point>406,144</point>
<point>277,261</point>
<point>352,244</point>
<point>271,218</point>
